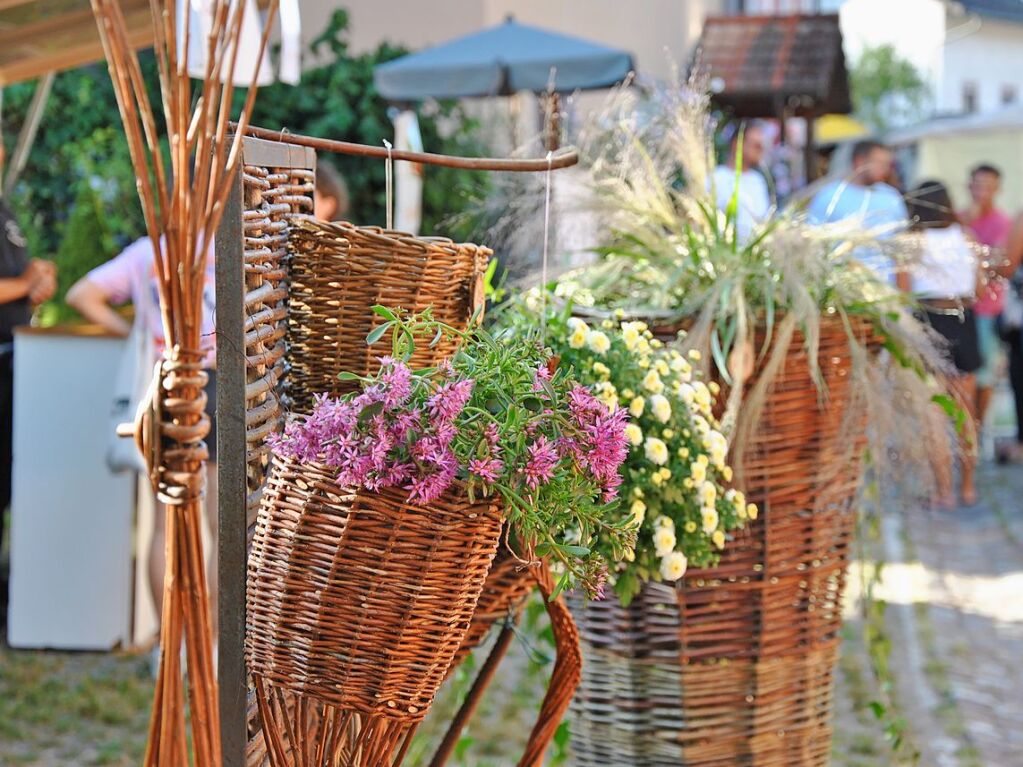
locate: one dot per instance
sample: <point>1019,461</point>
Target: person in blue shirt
<point>864,196</point>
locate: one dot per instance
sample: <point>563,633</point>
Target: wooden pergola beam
<point>41,36</point>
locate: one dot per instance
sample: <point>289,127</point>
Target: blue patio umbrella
<point>500,61</point>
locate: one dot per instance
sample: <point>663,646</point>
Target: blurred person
<point>989,226</point>
<point>866,196</point>
<point>945,278</point>
<point>754,197</point>
<point>1011,326</point>
<point>24,284</point>
<point>330,197</point>
<point>130,277</point>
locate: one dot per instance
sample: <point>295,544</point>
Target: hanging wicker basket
<point>356,606</point>
<point>340,271</point>
<point>733,667</point>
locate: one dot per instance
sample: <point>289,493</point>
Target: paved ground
<point>954,588</point>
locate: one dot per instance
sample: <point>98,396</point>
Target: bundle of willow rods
<point>183,204</point>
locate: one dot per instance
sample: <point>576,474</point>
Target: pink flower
<point>396,378</point>
<point>543,458</point>
<point>487,469</point>
<point>541,374</point>
<point>449,400</point>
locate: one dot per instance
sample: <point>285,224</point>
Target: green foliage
<point>337,100</point>
<point>887,90</point>
<point>87,244</point>
<point>81,142</point>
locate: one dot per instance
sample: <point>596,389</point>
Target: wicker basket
<point>733,667</point>
<point>504,594</point>
<point>339,271</point>
<point>356,605</point>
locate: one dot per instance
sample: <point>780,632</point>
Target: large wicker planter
<point>338,272</point>
<point>733,667</point>
<point>356,606</point>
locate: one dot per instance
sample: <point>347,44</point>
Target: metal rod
<point>564,158</point>
<point>28,132</point>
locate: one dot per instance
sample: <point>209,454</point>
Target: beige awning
<point>40,36</point>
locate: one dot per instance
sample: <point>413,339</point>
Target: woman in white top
<point>945,278</point>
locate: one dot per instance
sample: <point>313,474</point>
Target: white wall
<point>984,52</point>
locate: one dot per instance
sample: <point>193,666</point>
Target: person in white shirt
<point>945,277</point>
<point>754,198</point>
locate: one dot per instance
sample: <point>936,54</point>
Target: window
<point>1010,94</point>
<point>970,97</point>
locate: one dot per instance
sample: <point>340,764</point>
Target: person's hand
<point>42,280</point>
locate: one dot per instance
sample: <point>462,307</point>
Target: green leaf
<point>377,333</point>
<point>533,404</point>
<point>371,410</point>
<point>384,312</point>
<point>575,551</point>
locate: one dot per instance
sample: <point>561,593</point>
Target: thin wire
<point>389,180</point>
<point>546,239</point>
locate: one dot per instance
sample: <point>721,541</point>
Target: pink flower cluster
<point>602,445</point>
<point>379,439</point>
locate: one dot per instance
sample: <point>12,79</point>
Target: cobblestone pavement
<point>954,587</point>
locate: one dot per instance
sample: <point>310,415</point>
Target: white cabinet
<point>72,520</point>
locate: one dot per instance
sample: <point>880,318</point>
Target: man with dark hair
<point>754,198</point>
<point>865,196</point>
<point>990,226</point>
<point>330,198</point>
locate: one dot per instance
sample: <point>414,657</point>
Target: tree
<point>887,90</point>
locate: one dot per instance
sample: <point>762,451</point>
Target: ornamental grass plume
<point>499,419</point>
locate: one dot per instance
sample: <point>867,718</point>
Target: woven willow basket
<point>356,606</point>
<point>340,271</point>
<point>734,666</point>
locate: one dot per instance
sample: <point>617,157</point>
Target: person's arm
<point>1013,249</point>
<point>92,302</point>
<point>13,289</point>
<point>33,283</point>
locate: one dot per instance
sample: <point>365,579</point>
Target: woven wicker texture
<point>339,271</point>
<point>357,603</point>
<point>271,199</point>
<point>734,666</point>
<point>504,595</point>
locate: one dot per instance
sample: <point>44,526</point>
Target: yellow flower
<point>703,460</point>
<point>717,447</point>
<point>598,342</point>
<point>656,451</point>
<point>638,492</point>
<point>664,521</point>
<point>726,472</point>
<point>662,367</point>
<point>664,540</point>
<point>708,493</point>
<point>638,511</point>
<point>631,334</point>
<point>619,313</point>
<point>715,389</point>
<point>657,479</point>
<point>636,407</point>
<point>718,537</point>
<point>667,433</point>
<point>577,340</point>
<point>709,519</point>
<point>608,394</point>
<point>690,526</point>
<point>751,511</point>
<point>652,382</point>
<point>601,369</point>
<point>656,343</point>
<point>698,472</point>
<point>607,324</point>
<point>634,434</point>
<point>630,555</point>
<point>687,393</point>
<point>660,407</point>
<point>665,473</point>
<point>688,483</point>
<point>694,355</point>
<point>673,566</point>
<point>702,394</point>
<point>683,452</point>
<point>628,394</point>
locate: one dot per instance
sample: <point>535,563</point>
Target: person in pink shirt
<point>990,226</point>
